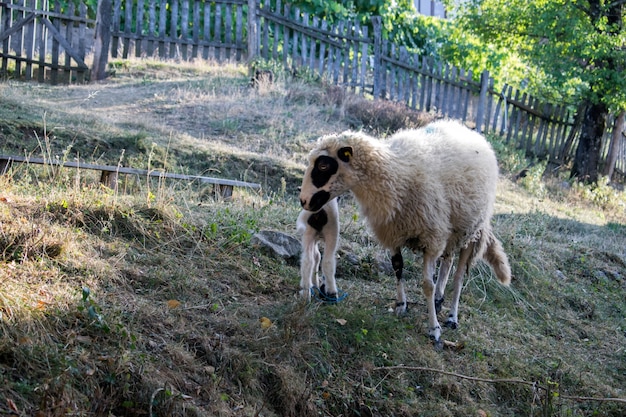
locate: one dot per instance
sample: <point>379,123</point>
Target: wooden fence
<point>349,54</point>
<point>42,42</point>
<point>185,29</point>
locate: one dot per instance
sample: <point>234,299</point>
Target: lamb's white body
<point>322,226</point>
<point>431,189</point>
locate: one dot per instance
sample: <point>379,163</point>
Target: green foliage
<point>573,49</point>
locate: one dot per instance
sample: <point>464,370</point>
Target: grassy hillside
<point>151,301</point>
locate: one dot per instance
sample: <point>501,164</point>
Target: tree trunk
<point>616,140</point>
<point>587,157</point>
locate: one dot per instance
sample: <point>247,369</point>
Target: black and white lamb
<point>321,226</point>
<point>431,189</point>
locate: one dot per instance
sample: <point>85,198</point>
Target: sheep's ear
<point>345,154</point>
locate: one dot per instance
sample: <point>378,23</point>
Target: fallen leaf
<point>172,304</point>
<point>265,322</point>
<point>24,340</point>
<point>342,321</point>
<point>12,405</point>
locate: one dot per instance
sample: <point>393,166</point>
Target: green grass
<point>149,300</point>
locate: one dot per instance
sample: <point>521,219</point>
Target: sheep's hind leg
<point>398,264</point>
<point>442,280</point>
<point>428,286</point>
<point>453,318</point>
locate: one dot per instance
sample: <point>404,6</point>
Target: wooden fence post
<point>377,25</point>
<point>482,101</point>
<point>102,41</point>
<point>253,32</point>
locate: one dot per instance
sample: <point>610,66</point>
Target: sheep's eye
<point>323,166</point>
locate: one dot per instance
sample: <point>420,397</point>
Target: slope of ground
<point>152,301</point>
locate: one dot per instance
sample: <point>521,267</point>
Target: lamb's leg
<point>453,318</point>
<point>398,264</point>
<point>442,280</point>
<point>329,266</point>
<point>309,265</point>
<point>428,286</point>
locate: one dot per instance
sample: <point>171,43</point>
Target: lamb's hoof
<point>305,295</point>
<point>451,323</point>
<point>438,304</point>
<point>327,298</point>
<point>400,308</point>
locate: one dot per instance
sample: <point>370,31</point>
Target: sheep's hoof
<point>435,336</point>
<point>438,344</point>
<point>438,304</point>
<point>400,308</point>
<point>451,323</point>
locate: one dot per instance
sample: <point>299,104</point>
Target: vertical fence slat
<point>21,14</point>
<point>206,30</point>
<point>54,67</point>
<point>228,30</point>
<point>29,44</point>
<point>67,74</point>
<point>139,28</point>
<point>195,30</point>
<point>128,18</point>
<point>238,32</point>
<point>42,32</point>
<point>151,27</point>
<point>217,32</point>
<point>184,30</point>
<point>162,30</point>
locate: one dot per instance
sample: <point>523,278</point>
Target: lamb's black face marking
<point>318,200</point>
<point>318,220</point>
<point>324,168</point>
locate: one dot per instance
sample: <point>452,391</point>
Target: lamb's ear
<point>345,154</point>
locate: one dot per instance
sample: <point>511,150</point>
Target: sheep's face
<point>325,178</point>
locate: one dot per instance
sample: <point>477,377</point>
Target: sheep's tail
<point>495,256</point>
<point>488,247</point>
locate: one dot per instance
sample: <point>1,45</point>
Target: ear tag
<point>345,154</point>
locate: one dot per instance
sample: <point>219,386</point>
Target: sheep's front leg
<point>329,265</point>
<point>398,264</point>
<point>428,285</point>
<point>453,317</point>
<point>442,280</point>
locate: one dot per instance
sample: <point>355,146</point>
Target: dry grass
<point>148,301</point>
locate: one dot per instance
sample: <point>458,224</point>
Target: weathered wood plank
<point>184,30</point>
<point>217,32</point>
<point>7,160</point>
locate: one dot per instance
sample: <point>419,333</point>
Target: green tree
<point>573,48</point>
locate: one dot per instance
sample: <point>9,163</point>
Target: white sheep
<point>321,226</point>
<point>432,189</point>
